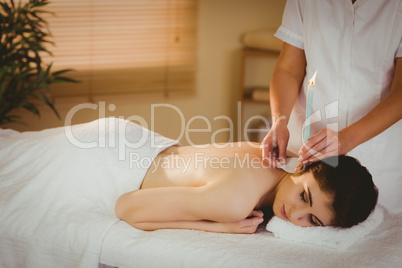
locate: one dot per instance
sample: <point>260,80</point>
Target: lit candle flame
<point>312,80</point>
<point>309,105</point>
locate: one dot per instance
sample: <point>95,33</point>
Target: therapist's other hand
<point>325,143</point>
<point>275,143</point>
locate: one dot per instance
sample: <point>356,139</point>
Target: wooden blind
<point>123,46</point>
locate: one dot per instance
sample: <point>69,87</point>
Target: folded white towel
<point>331,237</point>
<point>262,39</point>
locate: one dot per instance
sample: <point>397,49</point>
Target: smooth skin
<point>286,81</point>
<point>221,190</point>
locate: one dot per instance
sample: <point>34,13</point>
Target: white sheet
<point>125,247</point>
<point>56,199</point>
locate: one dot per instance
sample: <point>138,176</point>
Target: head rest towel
<point>330,237</point>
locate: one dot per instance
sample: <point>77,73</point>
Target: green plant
<point>24,79</point>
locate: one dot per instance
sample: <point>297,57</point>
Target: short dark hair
<point>351,185</point>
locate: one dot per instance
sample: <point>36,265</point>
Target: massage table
<point>58,188</point>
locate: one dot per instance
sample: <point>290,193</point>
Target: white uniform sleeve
<point>291,30</point>
<point>399,50</point>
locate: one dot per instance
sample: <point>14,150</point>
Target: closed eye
<point>303,196</point>
<point>313,222</point>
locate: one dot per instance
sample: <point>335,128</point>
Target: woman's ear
<point>299,169</point>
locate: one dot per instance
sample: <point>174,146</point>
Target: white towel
<point>262,39</point>
<point>330,237</point>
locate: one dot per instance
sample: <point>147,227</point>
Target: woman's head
<point>337,191</point>
<point>350,184</point>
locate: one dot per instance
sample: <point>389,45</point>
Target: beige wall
<point>220,26</point>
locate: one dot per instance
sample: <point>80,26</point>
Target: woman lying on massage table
<point>223,190</point>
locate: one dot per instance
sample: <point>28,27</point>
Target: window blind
<point>123,46</point>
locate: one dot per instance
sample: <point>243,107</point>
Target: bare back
<point>238,165</point>
<point>217,188</point>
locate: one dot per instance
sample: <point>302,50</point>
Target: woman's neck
<point>268,199</point>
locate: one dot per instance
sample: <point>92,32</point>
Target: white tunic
<point>354,48</point>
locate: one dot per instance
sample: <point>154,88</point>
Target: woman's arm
<point>228,201</point>
<point>286,80</point>
<point>245,226</point>
<point>328,143</point>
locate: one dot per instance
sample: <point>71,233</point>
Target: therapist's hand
<point>325,143</point>
<point>274,145</point>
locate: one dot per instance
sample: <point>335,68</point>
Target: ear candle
<point>309,104</point>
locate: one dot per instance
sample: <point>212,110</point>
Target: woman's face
<point>300,200</point>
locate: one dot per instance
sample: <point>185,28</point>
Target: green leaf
<point>49,103</point>
<point>32,108</point>
<point>62,71</point>
<point>48,69</point>
<point>9,119</point>
<point>62,79</point>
